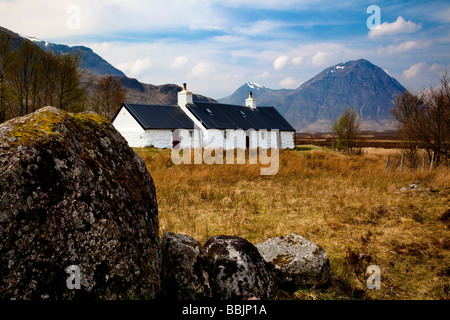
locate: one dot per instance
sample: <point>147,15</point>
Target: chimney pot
<point>250,102</point>
<point>184,97</point>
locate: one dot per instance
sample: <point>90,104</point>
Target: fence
<point>418,161</point>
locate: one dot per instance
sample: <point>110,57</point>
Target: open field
<point>345,203</point>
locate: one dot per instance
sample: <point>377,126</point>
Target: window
<point>209,112</point>
<point>243,114</point>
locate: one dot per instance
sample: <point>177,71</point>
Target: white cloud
<point>289,83</point>
<point>415,70</point>
<point>280,62</point>
<point>423,74</point>
<point>48,19</point>
<point>399,26</point>
<point>436,67</point>
<point>229,39</point>
<point>322,58</point>
<point>260,27</point>
<point>443,15</point>
<point>297,60</point>
<point>179,62</point>
<point>265,75</point>
<point>404,46</point>
<point>135,68</point>
<point>201,69</point>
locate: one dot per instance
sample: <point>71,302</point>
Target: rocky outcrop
<point>73,193</point>
<point>185,269</point>
<point>296,261</point>
<point>239,272</point>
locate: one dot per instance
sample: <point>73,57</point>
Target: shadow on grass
<point>337,288</point>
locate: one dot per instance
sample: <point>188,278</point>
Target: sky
<point>215,46</point>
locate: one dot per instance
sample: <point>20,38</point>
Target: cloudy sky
<point>217,45</point>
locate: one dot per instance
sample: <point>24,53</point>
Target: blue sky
<point>216,46</point>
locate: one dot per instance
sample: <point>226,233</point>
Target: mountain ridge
<point>318,102</point>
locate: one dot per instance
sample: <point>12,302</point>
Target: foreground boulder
<point>185,272</point>
<point>239,272</point>
<point>296,261</point>
<point>73,193</point>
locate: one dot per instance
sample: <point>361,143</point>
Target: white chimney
<point>250,102</point>
<point>184,97</point>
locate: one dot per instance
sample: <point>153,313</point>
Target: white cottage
<point>209,124</point>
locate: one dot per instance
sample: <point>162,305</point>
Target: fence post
<point>387,162</point>
<point>423,162</point>
<point>401,164</point>
<point>432,160</point>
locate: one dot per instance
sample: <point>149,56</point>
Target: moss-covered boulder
<point>72,192</point>
<point>238,270</point>
<point>296,261</point>
<point>185,271</point>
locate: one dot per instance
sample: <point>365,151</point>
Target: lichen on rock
<point>185,268</point>
<point>72,192</point>
<point>296,261</point>
<point>239,272</point>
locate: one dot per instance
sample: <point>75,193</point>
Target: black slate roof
<point>226,116</point>
<point>159,116</point>
<point>212,115</point>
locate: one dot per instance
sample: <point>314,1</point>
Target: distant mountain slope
<point>262,94</point>
<point>92,62</point>
<point>317,103</point>
<point>138,92</point>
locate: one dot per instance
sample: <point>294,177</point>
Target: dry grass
<point>343,203</point>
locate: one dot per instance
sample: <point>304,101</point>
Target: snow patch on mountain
<point>254,85</point>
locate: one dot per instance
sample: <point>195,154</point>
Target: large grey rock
<point>185,271</point>
<point>296,261</point>
<point>72,192</point>
<point>239,272</point>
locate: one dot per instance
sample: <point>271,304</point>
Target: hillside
<point>138,92</point>
<point>92,62</point>
<point>95,67</point>
<point>263,95</point>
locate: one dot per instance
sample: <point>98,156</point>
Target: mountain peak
<point>318,102</point>
<point>254,85</point>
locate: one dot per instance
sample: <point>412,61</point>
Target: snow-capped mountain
<point>260,92</point>
<point>317,103</point>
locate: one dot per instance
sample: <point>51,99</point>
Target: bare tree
<point>49,67</point>
<point>6,57</point>
<point>406,111</point>
<point>108,96</point>
<point>423,121</point>
<point>70,92</point>
<point>24,76</point>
